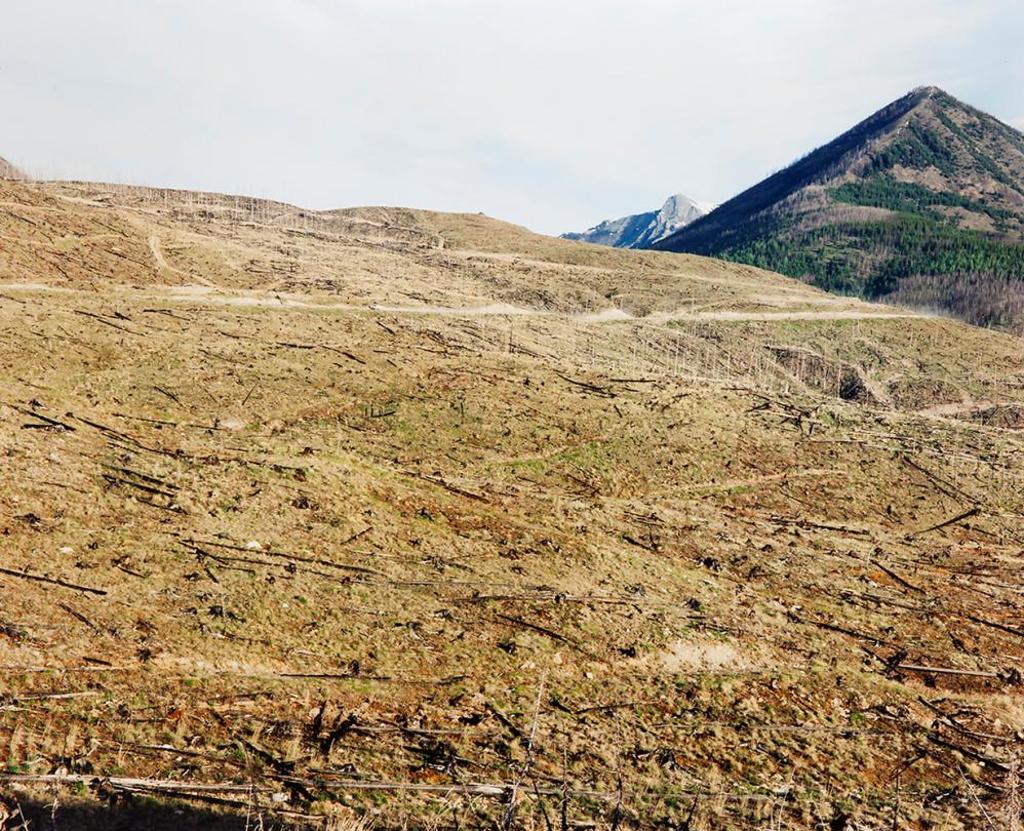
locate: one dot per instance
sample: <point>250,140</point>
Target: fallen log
<point>972,673</point>
<point>952,521</point>
<point>1001,626</point>
<point>48,422</point>
<point>154,785</point>
<point>551,633</point>
<point>38,578</point>
<point>906,584</point>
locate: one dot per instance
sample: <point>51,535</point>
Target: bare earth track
<point>302,519</point>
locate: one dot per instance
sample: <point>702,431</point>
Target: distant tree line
<point>918,148</point>
<point>981,299</point>
<point>882,191</point>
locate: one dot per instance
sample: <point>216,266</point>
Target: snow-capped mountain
<point>643,230</point>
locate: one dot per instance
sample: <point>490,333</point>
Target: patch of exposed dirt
<point>828,376</point>
<point>704,655</point>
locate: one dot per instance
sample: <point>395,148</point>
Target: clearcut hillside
<point>384,518</point>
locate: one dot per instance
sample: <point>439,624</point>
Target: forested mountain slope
<point>920,204</point>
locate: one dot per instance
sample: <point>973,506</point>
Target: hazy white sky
<point>549,114</point>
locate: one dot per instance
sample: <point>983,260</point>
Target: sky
<point>552,115</point>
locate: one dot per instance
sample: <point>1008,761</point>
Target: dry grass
<point>340,548</point>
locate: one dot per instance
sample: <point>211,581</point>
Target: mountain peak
<point>675,200</point>
<point>643,230</point>
<point>922,203</point>
<point>677,205</point>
